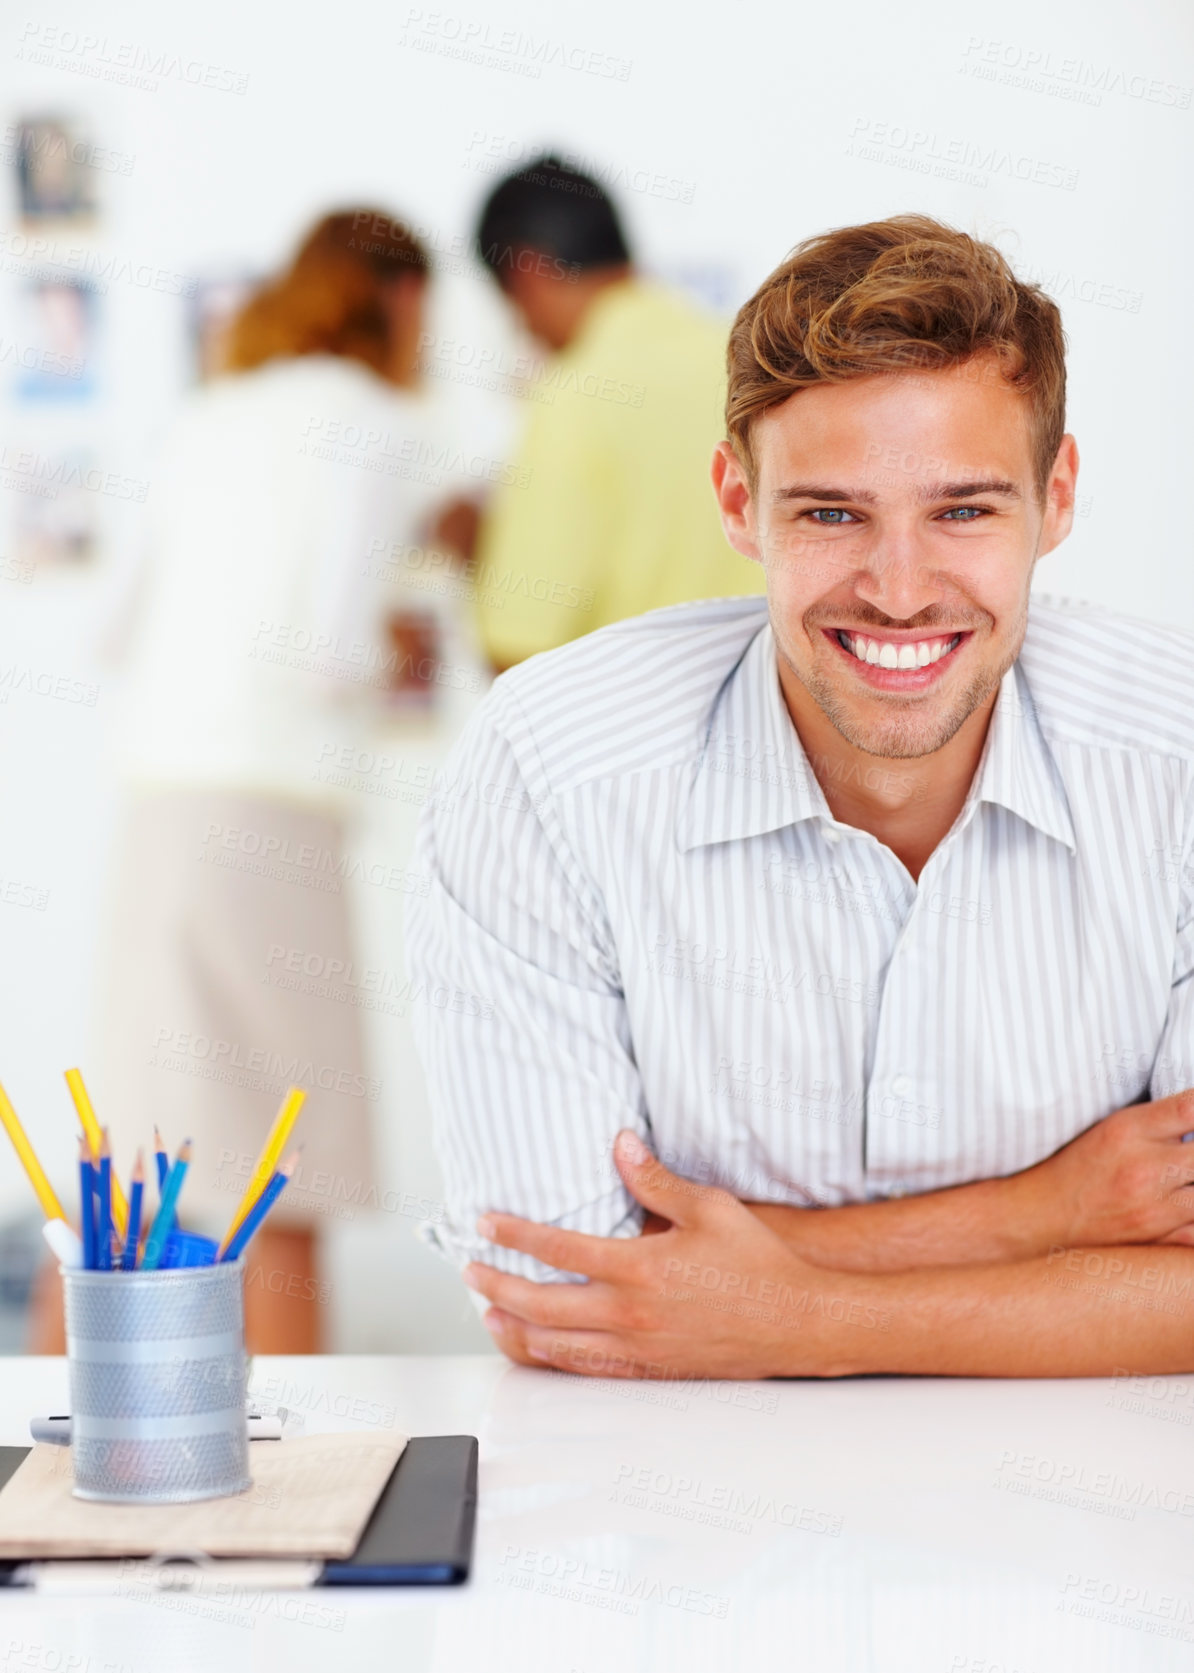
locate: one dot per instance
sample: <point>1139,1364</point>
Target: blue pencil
<point>252,1220</point>
<point>128,1260</point>
<point>159,1231</point>
<point>103,1229</point>
<point>87,1197</point>
<point>159,1156</point>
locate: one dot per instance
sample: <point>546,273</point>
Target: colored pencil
<point>155,1243</point>
<point>82,1103</point>
<point>128,1260</point>
<point>87,1199</point>
<point>50,1206</point>
<point>103,1228</point>
<point>252,1220</point>
<point>161,1159</point>
<point>267,1162</point>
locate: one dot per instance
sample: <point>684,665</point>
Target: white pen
<point>64,1241</point>
<point>55,1430</point>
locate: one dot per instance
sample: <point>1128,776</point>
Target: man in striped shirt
<point>843,940</point>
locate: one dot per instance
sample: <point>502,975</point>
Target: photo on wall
<point>55,346</point>
<point>212,304</point>
<point>53,512</point>
<point>711,283</point>
<point>56,168</point>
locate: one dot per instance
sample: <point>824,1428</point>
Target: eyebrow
<point>930,492</point>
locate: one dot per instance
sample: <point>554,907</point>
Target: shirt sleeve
<point>548,532</point>
<point>518,1010</point>
<point>1173,1067</point>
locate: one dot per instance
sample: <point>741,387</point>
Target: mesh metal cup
<point>157,1382</point>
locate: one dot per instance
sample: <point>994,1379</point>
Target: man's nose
<point>899,581</point>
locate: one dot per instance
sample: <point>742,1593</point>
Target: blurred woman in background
<point>260,645</point>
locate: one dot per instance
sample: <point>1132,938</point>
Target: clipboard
<point>420,1532</point>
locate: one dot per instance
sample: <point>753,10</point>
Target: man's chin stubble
<point>907,736</point>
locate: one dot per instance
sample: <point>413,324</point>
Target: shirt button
<point>901,1086</point>
<point>832,835</point>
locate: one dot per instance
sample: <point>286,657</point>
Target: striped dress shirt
<point>642,913</point>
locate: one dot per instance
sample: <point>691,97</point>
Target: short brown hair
<point>893,296</point>
<point>329,300</point>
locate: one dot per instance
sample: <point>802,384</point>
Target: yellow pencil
<point>267,1162</point>
<point>50,1206</point>
<point>120,1208</point>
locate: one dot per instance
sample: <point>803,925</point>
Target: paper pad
<point>311,1497</point>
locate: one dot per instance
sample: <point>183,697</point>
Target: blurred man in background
<point>610,512</point>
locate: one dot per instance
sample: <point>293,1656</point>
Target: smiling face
<point>897,521</point>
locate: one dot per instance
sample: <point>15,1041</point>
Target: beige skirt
<point>222,983</point>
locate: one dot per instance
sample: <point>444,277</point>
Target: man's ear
<point>735,502</point>
<point>1060,496</point>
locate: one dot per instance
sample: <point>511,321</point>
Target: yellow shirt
<point>610,510</point>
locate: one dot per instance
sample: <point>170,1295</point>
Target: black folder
<point>421,1530</point>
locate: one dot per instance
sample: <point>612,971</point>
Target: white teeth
<point>885,654</point>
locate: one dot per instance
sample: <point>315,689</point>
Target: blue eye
<point>965,513</point>
<point>830,516</point>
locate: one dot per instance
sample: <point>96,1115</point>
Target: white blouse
<point>287,515</point>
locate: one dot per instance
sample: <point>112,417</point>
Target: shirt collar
<point>1017,770</point>
<point>753,775</point>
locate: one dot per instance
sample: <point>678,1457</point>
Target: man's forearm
<point>1124,1180</point>
<point>989,1220</point>
<point>717,1293</point>
<point>1069,1313</point>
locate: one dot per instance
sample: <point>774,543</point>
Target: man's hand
<point>714,1293</point>
<point>414,637</point>
<point>456,527</point>
<point>1127,1179</point>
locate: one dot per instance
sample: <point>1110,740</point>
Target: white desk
<point>877,1525</point>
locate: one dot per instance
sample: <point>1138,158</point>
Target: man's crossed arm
<point>1075,1267</point>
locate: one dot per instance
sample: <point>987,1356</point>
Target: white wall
<point>1061,132</point>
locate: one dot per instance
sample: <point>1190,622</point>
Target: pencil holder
<point>157,1380</point>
